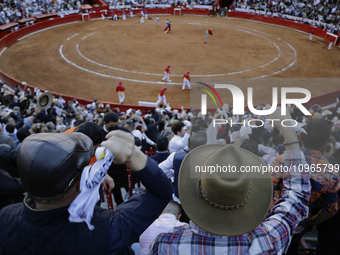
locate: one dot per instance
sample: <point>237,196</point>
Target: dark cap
<point>48,162</point>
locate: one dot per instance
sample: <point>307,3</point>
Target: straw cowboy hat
<point>224,203</point>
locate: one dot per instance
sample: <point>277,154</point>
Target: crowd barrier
<point>11,38</point>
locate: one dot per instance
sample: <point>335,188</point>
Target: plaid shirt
<point>272,236</point>
<point>269,154</point>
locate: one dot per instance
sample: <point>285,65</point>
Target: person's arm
<point>269,154</point>
<point>320,217</point>
<point>133,216</point>
<point>19,122</point>
<point>148,140</point>
<point>168,165</point>
<point>159,120</point>
<point>328,205</point>
<point>29,122</point>
<point>292,207</point>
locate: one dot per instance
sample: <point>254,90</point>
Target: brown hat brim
<point>217,221</point>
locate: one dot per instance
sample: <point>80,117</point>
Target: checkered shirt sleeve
<point>272,236</point>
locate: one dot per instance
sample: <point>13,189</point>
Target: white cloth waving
<point>82,207</point>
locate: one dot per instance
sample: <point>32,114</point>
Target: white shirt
<point>163,224</point>
<point>168,165</point>
<point>178,143</point>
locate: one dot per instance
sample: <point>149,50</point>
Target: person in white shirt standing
<point>166,221</point>
<point>181,137</point>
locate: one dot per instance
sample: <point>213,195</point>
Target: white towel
<point>82,207</point>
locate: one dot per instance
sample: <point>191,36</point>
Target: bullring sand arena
<point>87,59</point>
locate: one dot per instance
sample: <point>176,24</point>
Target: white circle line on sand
<point>3,50</point>
<point>110,76</point>
<point>87,36</point>
<point>72,36</point>
<point>203,75</point>
<point>283,69</point>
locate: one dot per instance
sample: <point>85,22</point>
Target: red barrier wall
<point>12,38</point>
<point>195,12</point>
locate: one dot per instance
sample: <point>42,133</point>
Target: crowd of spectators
<point>11,11</point>
<point>322,14</point>
<point>173,134</point>
<point>171,2</point>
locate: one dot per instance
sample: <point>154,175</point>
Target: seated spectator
<point>152,124</point>
<point>11,131</point>
<point>22,134</point>
<point>5,139</point>
<point>172,164</point>
<point>219,204</point>
<point>39,128</point>
<point>267,138</point>
<point>50,127</point>
<point>146,142</point>
<point>8,160</point>
<point>166,221</point>
<point>11,189</point>
<point>162,150</point>
<point>52,185</point>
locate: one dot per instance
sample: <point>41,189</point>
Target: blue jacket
<point>24,230</point>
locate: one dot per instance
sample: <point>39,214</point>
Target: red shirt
<point>161,92</point>
<point>120,88</point>
<point>186,75</point>
<point>167,69</point>
<point>140,16</point>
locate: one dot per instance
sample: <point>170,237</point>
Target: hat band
<point>223,207</point>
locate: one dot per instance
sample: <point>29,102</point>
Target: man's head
<point>50,164</point>
<point>219,200</point>
<point>162,144</point>
<point>198,139</point>
<point>10,121</point>
<point>179,128</point>
<point>110,121</point>
<point>250,145</point>
<point>267,136</point>
<point>50,125</point>
<point>318,132</point>
<point>23,133</point>
<point>93,131</point>
<point>330,148</point>
<point>173,208</point>
<point>130,125</point>
<point>10,128</point>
